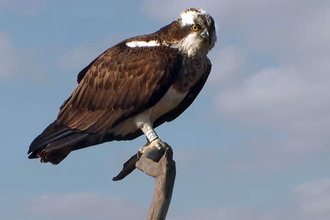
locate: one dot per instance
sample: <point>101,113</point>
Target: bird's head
<point>194,32</point>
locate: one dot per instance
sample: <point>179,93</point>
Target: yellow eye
<point>195,27</point>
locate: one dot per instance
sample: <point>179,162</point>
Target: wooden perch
<point>161,166</point>
<point>164,171</point>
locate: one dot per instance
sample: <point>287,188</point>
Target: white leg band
<point>151,135</point>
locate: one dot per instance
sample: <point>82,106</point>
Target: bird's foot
<point>152,150</point>
<point>157,144</point>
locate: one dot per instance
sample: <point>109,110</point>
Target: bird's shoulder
<point>144,50</point>
<point>120,83</point>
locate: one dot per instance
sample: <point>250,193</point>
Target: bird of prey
<point>132,88</point>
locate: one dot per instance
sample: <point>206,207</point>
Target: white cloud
<point>30,7</point>
<point>9,59</point>
<point>228,64</point>
<point>312,202</point>
<point>314,188</point>
<point>78,58</point>
<point>83,205</point>
<point>171,9</point>
<point>239,214</point>
<point>314,198</point>
<point>266,97</point>
<point>15,61</point>
<point>285,102</point>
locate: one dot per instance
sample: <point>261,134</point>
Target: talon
<point>160,145</point>
<point>142,149</point>
<point>157,143</point>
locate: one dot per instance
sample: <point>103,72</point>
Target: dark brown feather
<point>187,101</point>
<point>120,84</point>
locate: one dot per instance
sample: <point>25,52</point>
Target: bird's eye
<point>195,27</point>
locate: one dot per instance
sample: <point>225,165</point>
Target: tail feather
<point>55,143</point>
<point>52,133</point>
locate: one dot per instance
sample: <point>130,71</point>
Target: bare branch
<point>160,165</point>
<point>164,171</point>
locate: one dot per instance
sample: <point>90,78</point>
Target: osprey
<point>132,88</point>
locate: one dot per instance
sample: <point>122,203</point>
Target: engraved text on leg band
<point>151,135</point>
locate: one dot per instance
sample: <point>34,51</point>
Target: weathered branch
<point>161,166</point>
<point>164,172</point>
<point>128,167</point>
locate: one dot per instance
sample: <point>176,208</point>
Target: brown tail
<point>56,142</point>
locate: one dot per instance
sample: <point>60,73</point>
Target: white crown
<point>188,16</point>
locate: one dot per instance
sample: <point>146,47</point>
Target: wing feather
<point>187,101</point>
<point>119,84</point>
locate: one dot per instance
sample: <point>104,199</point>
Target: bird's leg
<point>155,147</point>
<point>153,139</point>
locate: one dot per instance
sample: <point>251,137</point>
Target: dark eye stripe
<point>205,21</point>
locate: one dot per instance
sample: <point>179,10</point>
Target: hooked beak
<point>206,35</point>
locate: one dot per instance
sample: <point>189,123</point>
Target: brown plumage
<point>118,86</point>
<point>122,83</point>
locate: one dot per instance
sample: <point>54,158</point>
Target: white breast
<point>171,99</point>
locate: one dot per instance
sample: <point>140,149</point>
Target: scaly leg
<point>153,139</point>
<point>143,122</point>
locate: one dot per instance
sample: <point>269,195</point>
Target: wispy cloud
<point>9,58</point>
<point>79,57</point>
<point>314,197</point>
<point>30,7</point>
<point>15,61</point>
<point>311,202</point>
<point>83,205</point>
<point>228,66</point>
<point>239,214</point>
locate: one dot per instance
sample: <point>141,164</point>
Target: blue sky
<point>254,145</point>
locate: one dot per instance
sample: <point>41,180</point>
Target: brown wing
<point>120,83</point>
<point>187,101</point>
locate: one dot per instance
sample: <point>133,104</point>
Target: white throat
<point>192,45</point>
